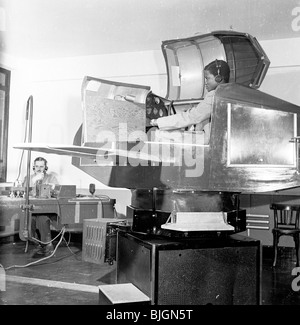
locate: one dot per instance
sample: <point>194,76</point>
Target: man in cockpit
<point>215,73</point>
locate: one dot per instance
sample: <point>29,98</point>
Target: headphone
<point>41,159</point>
<point>218,77</point>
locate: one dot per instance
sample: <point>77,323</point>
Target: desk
<point>69,210</point>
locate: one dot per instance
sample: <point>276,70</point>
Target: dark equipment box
<point>191,271</point>
<point>99,239</point>
<point>149,221</point>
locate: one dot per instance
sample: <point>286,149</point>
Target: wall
<point>282,79</point>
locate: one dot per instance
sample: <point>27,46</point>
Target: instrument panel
<point>155,107</point>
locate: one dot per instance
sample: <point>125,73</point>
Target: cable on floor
<point>44,258</point>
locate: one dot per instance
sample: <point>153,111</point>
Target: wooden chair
<point>286,223</point>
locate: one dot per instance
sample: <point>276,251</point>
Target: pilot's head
<point>215,73</point>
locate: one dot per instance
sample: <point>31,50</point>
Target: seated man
<point>215,73</point>
<point>41,222</point>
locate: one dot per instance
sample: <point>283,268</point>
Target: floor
<point>65,279</point>
<point>54,281</point>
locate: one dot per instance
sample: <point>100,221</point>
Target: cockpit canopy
<point>185,59</point>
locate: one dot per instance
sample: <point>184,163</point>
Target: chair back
<point>286,216</point>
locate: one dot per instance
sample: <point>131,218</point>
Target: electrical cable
<point>44,258</point>
<point>50,241</point>
<point>68,243</point>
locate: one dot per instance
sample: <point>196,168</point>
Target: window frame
<point>5,123</point>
